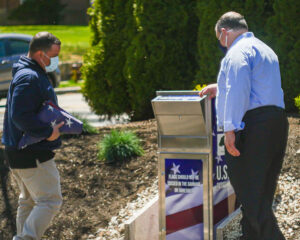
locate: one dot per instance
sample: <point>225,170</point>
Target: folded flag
<point>52,114</point>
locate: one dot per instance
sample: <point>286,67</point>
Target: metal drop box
<point>182,122</point>
<point>191,182</point>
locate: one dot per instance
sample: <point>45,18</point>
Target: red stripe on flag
<point>184,219</point>
<point>194,216</point>
<point>53,105</point>
<point>221,210</point>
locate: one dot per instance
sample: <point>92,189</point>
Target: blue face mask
<point>53,64</point>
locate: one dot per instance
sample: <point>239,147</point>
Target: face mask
<point>222,48</point>
<point>53,63</point>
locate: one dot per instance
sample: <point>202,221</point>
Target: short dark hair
<point>231,20</point>
<point>43,41</point>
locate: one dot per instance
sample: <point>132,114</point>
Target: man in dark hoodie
<point>33,167</point>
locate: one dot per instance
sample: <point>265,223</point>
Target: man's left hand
<point>230,144</point>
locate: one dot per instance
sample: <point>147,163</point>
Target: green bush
<point>283,30</point>
<point>162,54</point>
<point>297,102</point>
<point>255,12</point>
<point>39,12</point>
<point>119,146</point>
<point>141,46</point>
<point>105,87</point>
<point>136,50</point>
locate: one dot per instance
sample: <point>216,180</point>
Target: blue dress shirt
<point>249,78</point>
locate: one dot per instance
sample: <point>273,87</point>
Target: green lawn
<point>71,83</point>
<point>75,39</point>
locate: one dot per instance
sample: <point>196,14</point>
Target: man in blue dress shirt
<point>250,109</point>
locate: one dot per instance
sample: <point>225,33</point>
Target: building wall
<point>5,7</point>
<point>9,4</point>
<point>75,12</point>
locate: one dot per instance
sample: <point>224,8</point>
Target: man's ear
<point>40,53</point>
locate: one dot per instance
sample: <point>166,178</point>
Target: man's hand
<point>210,90</point>
<point>55,133</point>
<point>230,144</point>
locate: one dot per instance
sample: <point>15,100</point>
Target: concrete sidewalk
<point>67,90</point>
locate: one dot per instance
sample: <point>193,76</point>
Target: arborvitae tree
<point>105,86</point>
<point>94,23</point>
<point>162,53</point>
<point>284,29</point>
<point>256,13</point>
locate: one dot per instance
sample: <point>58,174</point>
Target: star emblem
<point>194,174</point>
<point>53,123</point>
<point>175,168</point>
<point>219,159</point>
<point>69,122</point>
<point>50,108</point>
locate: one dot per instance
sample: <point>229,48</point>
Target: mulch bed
<point>93,192</point>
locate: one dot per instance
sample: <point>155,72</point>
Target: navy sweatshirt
<point>29,89</point>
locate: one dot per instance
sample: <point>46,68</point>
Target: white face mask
<point>225,37</point>
<point>53,63</point>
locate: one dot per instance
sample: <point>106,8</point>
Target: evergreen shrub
<point>105,87</point>
<point>256,13</point>
<point>138,47</point>
<point>283,35</point>
<point>162,54</point>
<point>141,46</point>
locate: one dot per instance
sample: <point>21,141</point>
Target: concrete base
<point>144,225</point>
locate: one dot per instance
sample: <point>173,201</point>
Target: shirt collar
<point>244,35</point>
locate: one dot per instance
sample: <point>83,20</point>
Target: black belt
<point>264,109</point>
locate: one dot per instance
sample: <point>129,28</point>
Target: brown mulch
<point>93,192</point>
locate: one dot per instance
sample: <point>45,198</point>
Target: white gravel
<point>116,226</point>
<point>286,207</point>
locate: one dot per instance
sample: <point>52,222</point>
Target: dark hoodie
<point>28,90</point>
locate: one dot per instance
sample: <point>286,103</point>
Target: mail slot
<point>195,195</point>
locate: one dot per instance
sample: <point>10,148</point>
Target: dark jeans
<point>254,174</point>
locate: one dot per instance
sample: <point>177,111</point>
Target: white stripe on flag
<point>221,193</point>
<point>180,202</point>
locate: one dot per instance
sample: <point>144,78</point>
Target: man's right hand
<point>210,90</point>
<point>55,133</point>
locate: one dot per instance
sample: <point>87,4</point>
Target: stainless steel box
<point>184,135</point>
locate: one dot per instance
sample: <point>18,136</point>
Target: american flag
<point>52,114</point>
<point>184,199</point>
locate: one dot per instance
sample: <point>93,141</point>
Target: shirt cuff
<point>229,126</point>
